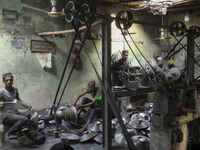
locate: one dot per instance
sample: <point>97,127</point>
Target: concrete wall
<point>36,85</point>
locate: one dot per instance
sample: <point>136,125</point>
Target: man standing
<point>95,103</point>
<point>10,115</point>
<point>162,67</point>
<point>118,67</point>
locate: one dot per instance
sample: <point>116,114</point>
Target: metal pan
<point>139,124</point>
<point>93,127</point>
<point>87,137</point>
<point>69,136</point>
<point>141,142</point>
<point>98,138</point>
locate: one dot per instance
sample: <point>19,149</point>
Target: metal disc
<point>98,138</point>
<point>141,142</point>
<point>175,73</point>
<point>142,115</point>
<point>69,136</point>
<point>87,136</point>
<point>93,127</point>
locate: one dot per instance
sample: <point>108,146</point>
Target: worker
<point>118,67</point>
<point>162,66</point>
<point>10,116</point>
<point>95,103</point>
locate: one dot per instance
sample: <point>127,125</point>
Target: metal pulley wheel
<point>196,29</point>
<point>176,73</point>
<point>124,20</point>
<point>70,11</point>
<point>177,28</point>
<point>87,14</point>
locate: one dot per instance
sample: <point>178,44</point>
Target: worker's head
<point>160,61</point>
<point>125,55</point>
<point>7,79</point>
<point>91,86</point>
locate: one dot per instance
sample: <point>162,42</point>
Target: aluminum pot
<point>93,127</point>
<point>69,136</point>
<point>119,136</point>
<point>141,142</point>
<point>98,138</point>
<point>142,115</point>
<point>125,104</point>
<point>87,136</point>
<point>139,124</point>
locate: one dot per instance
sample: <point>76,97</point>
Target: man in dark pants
<point>10,115</point>
<point>118,67</point>
<point>95,103</point>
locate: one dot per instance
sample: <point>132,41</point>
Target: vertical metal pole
<point>190,51</point>
<point>106,57</point>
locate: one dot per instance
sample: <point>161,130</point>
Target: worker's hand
<point>78,107</point>
<point>29,107</point>
<point>119,72</point>
<point>1,105</point>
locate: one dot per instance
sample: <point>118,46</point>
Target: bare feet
<point>6,138</point>
<point>81,130</point>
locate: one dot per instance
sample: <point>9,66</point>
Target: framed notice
<point>10,14</point>
<point>42,46</point>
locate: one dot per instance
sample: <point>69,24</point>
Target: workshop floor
<point>50,141</point>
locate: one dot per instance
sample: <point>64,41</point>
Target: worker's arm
<point>114,68</point>
<point>25,104</point>
<point>1,105</point>
<point>88,104</point>
<point>80,95</point>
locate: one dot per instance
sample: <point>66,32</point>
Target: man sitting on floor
<point>95,103</point>
<point>10,115</point>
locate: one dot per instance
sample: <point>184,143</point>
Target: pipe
<point>34,8</point>
<point>70,30</point>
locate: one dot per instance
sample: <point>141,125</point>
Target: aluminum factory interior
<point>100,74</point>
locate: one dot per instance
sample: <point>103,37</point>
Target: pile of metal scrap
<point>137,121</point>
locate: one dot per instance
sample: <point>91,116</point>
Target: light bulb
<point>187,18</point>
